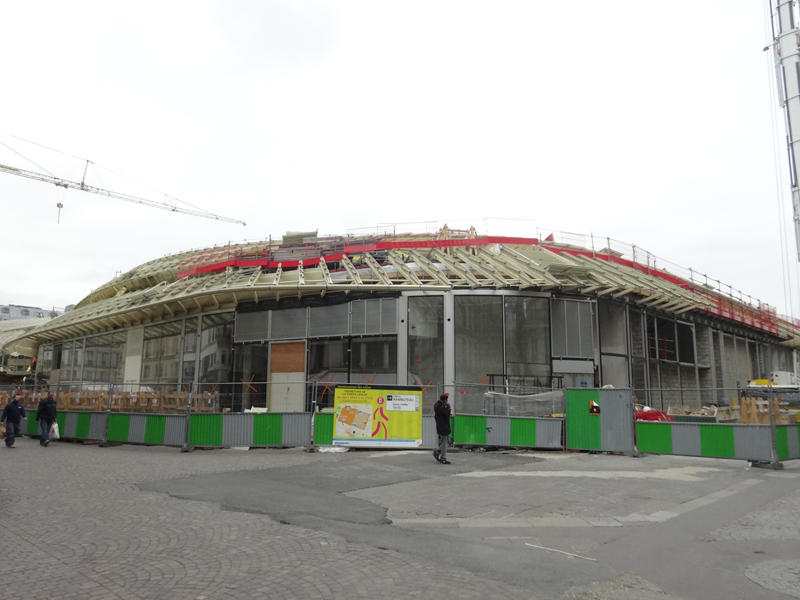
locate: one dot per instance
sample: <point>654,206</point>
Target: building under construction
<point>448,310</point>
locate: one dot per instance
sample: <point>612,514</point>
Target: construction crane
<point>786,53</point>
<point>82,186</point>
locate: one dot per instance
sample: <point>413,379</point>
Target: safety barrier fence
<point>518,432</point>
<point>255,430</point>
<point>603,420</point>
<point>746,442</point>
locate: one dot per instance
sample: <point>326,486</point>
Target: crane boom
<point>109,194</point>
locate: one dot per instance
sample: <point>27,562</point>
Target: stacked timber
<point>755,411</point>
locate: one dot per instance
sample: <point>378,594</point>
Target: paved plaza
<point>148,522</point>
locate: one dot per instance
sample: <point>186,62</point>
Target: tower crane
<point>786,52</point>
<point>82,186</point>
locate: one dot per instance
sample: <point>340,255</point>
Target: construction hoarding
<point>377,417</point>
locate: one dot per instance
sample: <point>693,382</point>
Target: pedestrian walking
<point>12,415</point>
<point>441,411</point>
<point>45,416</point>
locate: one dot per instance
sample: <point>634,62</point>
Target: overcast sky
<point>646,122</point>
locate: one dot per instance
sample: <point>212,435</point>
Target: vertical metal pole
<point>108,413</point>
<point>185,447</point>
<point>773,407</point>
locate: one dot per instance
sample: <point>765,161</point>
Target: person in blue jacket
<point>46,415</point>
<point>12,416</point>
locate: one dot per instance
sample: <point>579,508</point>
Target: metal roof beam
<point>326,274</point>
<point>431,269</point>
<point>377,269</point>
<point>402,268</point>
<point>484,268</point>
<point>351,270</point>
<point>455,267</point>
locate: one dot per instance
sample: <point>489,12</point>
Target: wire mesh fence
<point>318,396</point>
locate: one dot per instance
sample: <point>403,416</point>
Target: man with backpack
<point>46,415</point>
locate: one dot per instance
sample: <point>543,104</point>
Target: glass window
<point>189,350</point>
<point>527,341</point>
<point>251,373</point>
<point>373,360</point>
<point>479,338</point>
<point>44,364</point>
<point>216,344</point>
<point>685,343</point>
<point>426,344</point>
<point>329,360</point>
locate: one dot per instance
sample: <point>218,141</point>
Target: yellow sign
<point>373,417</point>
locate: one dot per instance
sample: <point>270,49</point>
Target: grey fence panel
<point>175,430</point>
<point>549,433</point>
<point>616,420</point>
<point>430,439</point>
<point>794,441</point>
<point>70,425</point>
<point>137,429</point>
<point>97,426</point>
<point>237,429</point>
<point>686,439</point>
<point>296,429</point>
<point>498,431</point>
<point>752,442</point>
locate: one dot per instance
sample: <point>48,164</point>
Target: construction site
<point>276,325</point>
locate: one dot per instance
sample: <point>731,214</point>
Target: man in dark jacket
<point>441,411</point>
<point>12,415</point>
<point>45,415</point>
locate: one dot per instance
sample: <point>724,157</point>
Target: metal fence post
<point>185,447</point>
<point>774,463</point>
<point>104,441</point>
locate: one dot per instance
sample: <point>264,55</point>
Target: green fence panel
<point>268,430</point>
<point>205,430</point>
<point>583,428</point>
<point>154,429</point>
<point>32,427</point>
<point>82,428</point>
<point>61,419</point>
<point>118,427</point>
<point>323,429</point>
<point>654,437</point>
<point>782,442</point>
<point>717,441</point>
<point>523,432</point>
<point>470,430</point>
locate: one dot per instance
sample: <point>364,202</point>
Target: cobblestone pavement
<point>145,523</point>
<point>779,520</point>
<point>777,575</point>
<point>75,526</point>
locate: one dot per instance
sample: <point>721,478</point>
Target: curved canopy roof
<point>215,278</point>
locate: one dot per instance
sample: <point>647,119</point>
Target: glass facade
<point>426,344</point>
<point>502,338</point>
<point>161,353</point>
<point>251,370</point>
<point>216,348</point>
<point>479,339</point>
<point>527,343</point>
<point>190,335</point>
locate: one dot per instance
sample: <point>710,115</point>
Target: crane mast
<point>786,52</point>
<point>82,186</point>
